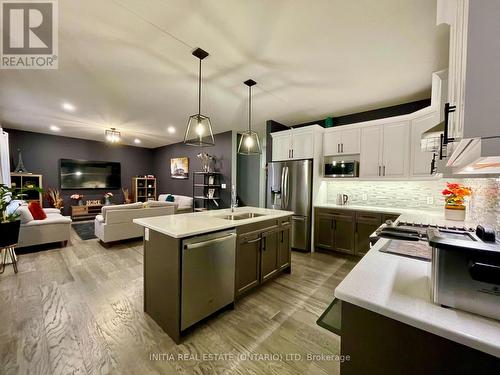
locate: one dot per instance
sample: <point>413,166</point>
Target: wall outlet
<point>430,200</point>
<point>223,186</point>
<point>364,197</point>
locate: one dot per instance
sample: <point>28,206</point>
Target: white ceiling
<point>311,59</point>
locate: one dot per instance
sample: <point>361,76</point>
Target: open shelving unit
<point>23,181</point>
<point>202,183</point>
<point>143,189</point>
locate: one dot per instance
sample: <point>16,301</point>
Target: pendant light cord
<point>199,90</point>
<point>250,108</point>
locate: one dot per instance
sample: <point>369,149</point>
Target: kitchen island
<point>391,326</point>
<point>199,263</point>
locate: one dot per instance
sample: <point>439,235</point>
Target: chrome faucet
<point>234,201</point>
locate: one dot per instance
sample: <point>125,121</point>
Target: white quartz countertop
<point>399,288</point>
<point>191,224</point>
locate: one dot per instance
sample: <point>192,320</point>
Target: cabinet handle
<point>292,154</point>
<point>253,241</point>
<point>379,173</point>
<point>282,236</point>
<point>338,148</point>
<point>264,241</point>
<point>384,170</point>
<point>342,148</point>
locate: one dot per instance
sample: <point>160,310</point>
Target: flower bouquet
<point>78,198</point>
<point>454,201</point>
<point>107,198</point>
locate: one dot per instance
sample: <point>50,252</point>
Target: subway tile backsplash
<point>483,207</point>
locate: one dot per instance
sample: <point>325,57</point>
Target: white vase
<point>455,214</point>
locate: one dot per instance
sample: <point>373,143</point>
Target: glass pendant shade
<point>249,142</point>
<point>199,131</point>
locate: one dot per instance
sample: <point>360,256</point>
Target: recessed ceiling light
<point>137,141</point>
<point>54,128</point>
<point>171,129</point>
<point>68,107</point>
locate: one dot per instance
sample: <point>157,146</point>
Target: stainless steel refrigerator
<point>289,187</point>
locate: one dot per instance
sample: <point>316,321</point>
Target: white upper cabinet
<point>303,145</point>
<point>295,144</point>
<point>474,68</point>
<point>384,150</point>
<point>420,162</point>
<point>282,145</point>
<point>331,142</point>
<point>351,141</point>
<point>370,163</point>
<point>342,142</point>
<point>395,155</point>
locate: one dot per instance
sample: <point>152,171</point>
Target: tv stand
<point>85,212</point>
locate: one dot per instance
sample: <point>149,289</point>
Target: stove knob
<point>486,233</point>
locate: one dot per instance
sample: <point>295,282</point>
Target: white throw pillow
<point>24,214</point>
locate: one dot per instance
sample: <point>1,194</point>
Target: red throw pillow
<point>37,211</point>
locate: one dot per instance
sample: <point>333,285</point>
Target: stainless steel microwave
<point>341,169</point>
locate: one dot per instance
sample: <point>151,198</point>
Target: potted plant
<point>454,194</point>
<point>78,198</point>
<point>107,198</point>
<point>9,223</point>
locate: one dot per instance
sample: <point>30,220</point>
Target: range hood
<point>476,156</point>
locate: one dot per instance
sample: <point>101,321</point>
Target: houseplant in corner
<point>9,223</point>
<point>454,194</point>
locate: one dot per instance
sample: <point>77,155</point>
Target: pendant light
<point>199,129</point>
<point>249,142</point>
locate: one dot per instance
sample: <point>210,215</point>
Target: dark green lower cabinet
<point>269,255</point>
<point>324,227</point>
<point>366,224</point>
<point>262,251</point>
<point>343,235</point>
<point>347,231</point>
<point>248,263</point>
<point>284,253</point>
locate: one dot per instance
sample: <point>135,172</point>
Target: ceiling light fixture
<point>54,128</point>
<point>171,129</point>
<point>249,142</point>
<point>112,135</point>
<point>199,129</point>
<point>137,141</point>
<point>68,107</point>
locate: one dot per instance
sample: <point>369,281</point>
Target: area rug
<point>84,230</point>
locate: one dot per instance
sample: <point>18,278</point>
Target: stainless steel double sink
<point>240,216</point>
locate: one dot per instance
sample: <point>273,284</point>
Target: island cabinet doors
<point>270,253</point>
<point>284,250</point>
<point>262,252</point>
<point>247,262</point>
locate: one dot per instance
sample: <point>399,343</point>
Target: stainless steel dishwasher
<point>208,272</point>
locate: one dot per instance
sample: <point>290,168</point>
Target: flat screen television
<point>84,174</point>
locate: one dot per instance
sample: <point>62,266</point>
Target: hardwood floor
<point>79,310</point>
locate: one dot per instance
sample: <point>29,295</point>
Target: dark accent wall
<point>41,154</point>
<point>222,151</point>
<point>375,114</point>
